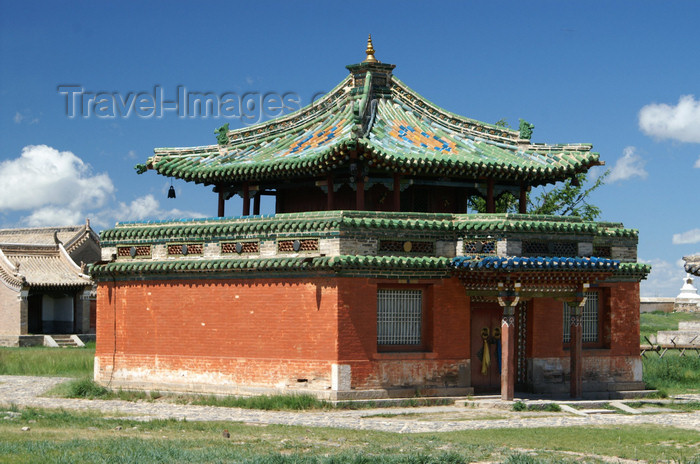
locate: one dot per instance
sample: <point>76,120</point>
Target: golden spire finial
<point>370,52</point>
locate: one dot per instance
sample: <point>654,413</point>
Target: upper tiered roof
<point>373,116</point>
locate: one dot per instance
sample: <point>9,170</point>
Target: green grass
<point>52,362</point>
<point>673,374</point>
<point>549,407</point>
<point>690,406</point>
<point>650,323</point>
<point>88,388</point>
<point>67,437</point>
<point>291,402</point>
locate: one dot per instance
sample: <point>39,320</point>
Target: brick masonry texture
<point>267,333</point>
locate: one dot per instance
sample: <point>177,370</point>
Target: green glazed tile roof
<point>437,267</point>
<point>219,266</point>
<point>334,221</point>
<point>394,129</point>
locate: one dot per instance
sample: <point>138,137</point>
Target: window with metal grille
<point>399,317</point>
<point>589,319</point>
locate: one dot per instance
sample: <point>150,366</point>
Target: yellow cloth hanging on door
<point>486,358</point>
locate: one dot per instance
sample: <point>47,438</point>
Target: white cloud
<point>54,216</point>
<point>697,163</point>
<point>665,279</point>
<point>51,181</point>
<point>27,117</point>
<point>131,154</point>
<point>630,165</point>
<point>687,237</point>
<point>140,209</point>
<point>680,122</point>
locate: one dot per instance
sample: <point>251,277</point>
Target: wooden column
<point>522,201</point>
<point>508,342</point>
<point>397,191</point>
<point>490,201</point>
<point>256,203</point>
<point>576,345</point>
<point>508,299</point>
<point>246,199</point>
<point>222,202</point>
<point>331,194</point>
<point>360,197</point>
<point>575,352</point>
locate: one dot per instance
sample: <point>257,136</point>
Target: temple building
<point>371,280</point>
<point>45,287</point>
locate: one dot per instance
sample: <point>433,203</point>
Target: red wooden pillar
<point>360,197</point>
<point>330,197</point>
<point>508,342</point>
<point>576,345</point>
<point>246,199</point>
<point>222,202</point>
<point>490,201</point>
<point>508,299</point>
<point>397,191</point>
<point>575,353</point>
<point>522,201</point>
<point>256,203</point>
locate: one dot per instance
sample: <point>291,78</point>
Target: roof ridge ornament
<point>370,52</point>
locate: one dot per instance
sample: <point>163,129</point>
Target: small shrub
<point>552,407</point>
<point>87,388</point>
<point>519,406</point>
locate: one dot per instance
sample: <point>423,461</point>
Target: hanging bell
<point>171,192</point>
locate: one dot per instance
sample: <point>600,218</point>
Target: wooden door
<point>486,323</point>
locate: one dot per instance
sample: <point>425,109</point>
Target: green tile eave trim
<point>398,265</point>
<point>104,272</point>
<point>331,223</point>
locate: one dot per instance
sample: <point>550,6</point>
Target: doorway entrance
<point>485,347</point>
<point>486,327</point>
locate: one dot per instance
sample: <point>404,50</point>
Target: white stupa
<point>688,299</point>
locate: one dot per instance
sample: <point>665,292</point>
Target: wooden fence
<point>661,350</point>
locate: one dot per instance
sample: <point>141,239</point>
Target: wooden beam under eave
<point>360,196</point>
<point>246,199</point>
<point>490,200</point>
<point>330,198</point>
<point>397,192</point>
<point>256,203</point>
<point>522,201</point>
<point>222,202</point>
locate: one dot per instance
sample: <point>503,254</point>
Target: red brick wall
<point>219,324</point>
<point>262,331</point>
<point>624,318</point>
<point>275,331</point>
<point>448,334</point>
<point>619,306</point>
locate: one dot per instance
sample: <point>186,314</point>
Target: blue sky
<point>624,76</point>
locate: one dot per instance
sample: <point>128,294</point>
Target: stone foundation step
<point>62,341</point>
<point>598,411</point>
